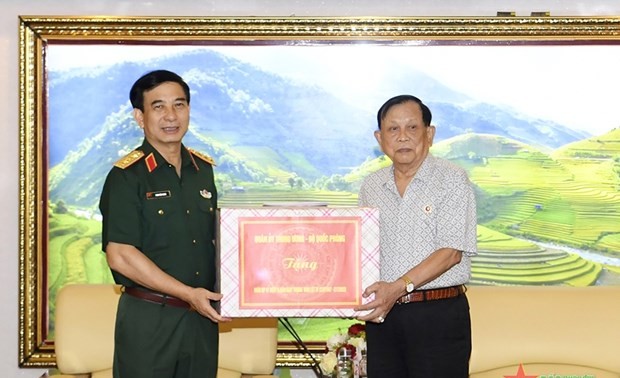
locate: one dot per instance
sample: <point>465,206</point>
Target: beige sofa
<point>553,331</point>
<point>85,316</point>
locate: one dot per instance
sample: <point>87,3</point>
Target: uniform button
<point>187,212</point>
<point>194,241</point>
<point>211,209</point>
<point>160,212</point>
<point>197,273</point>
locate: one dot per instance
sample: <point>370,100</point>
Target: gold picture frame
<point>37,32</point>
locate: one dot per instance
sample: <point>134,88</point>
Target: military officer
<point>158,205</point>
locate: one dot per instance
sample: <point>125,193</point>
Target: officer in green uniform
<point>158,205</point>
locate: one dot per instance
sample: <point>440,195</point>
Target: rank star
<point>520,374</point>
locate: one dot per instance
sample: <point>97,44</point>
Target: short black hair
<point>149,81</point>
<point>397,100</point>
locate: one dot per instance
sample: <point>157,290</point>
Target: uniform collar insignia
<point>151,163</point>
<point>206,194</point>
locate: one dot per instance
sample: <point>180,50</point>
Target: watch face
<point>409,287</point>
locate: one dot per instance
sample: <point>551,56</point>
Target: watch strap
<point>409,286</point>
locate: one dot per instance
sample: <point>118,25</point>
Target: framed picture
<point>286,106</point>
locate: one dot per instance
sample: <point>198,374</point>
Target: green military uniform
<point>171,219</point>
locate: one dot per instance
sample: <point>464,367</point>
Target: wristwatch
<point>409,286</point>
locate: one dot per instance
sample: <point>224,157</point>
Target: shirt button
<point>160,212</point>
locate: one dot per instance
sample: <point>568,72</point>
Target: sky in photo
<point>574,85</point>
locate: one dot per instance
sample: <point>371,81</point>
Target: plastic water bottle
<point>363,366</point>
<point>344,366</point>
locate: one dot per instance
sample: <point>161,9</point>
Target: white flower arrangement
<point>354,340</point>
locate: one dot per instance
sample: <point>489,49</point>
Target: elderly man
<point>418,324</point>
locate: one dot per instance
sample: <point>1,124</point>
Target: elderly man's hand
<point>385,296</point>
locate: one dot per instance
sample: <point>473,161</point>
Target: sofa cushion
<point>225,373</point>
<point>249,345</point>
<point>102,374</point>
<point>556,326</point>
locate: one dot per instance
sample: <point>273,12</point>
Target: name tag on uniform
<point>158,195</point>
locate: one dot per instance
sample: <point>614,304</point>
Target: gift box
<point>296,261</point>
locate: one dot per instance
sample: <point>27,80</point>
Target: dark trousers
<point>155,341</point>
<point>421,340</point>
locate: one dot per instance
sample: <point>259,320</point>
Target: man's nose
<point>171,114</point>
<point>403,135</point>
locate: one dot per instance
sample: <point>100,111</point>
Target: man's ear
<point>378,136</point>
<point>430,134</point>
<point>139,117</point>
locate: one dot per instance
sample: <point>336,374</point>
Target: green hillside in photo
<point>504,260</point>
<point>74,253</point>
<point>531,205</point>
<point>558,200</point>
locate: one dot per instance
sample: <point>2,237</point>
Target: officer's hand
<point>201,302</point>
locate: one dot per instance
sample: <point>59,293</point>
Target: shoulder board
<point>129,159</point>
<point>202,156</point>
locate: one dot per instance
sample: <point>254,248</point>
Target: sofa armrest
<point>85,317</point>
<point>249,345</point>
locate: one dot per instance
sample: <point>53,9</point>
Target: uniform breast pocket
<point>158,224</point>
<point>207,211</point>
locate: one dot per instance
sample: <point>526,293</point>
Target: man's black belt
<point>155,297</point>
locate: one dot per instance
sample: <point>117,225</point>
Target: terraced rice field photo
<point>547,185</point>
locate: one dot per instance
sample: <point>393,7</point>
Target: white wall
<point>10,10</point>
